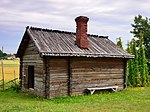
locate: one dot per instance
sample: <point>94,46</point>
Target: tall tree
<point>133,68</point>
<point>142,25</point>
<point>135,64</point>
<point>119,42</point>
<point>130,71</point>
<point>143,68</point>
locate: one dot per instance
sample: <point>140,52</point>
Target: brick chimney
<point>81,32</point>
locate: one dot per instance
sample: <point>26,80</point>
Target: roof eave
<point>42,54</point>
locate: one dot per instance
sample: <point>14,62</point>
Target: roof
<point>62,43</point>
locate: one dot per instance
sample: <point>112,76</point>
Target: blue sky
<point>111,18</point>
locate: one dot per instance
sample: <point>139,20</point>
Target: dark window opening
<point>30,76</point>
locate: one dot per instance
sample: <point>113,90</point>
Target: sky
<point>111,18</point>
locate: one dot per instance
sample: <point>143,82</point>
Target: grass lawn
<point>131,100</point>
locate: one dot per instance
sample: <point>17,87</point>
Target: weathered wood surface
<point>58,77</point>
<point>85,73</point>
<point>62,43</point>
<point>32,57</point>
<point>96,73</point>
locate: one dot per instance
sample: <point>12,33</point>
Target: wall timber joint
<point>69,76</point>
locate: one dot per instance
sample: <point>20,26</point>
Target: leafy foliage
<point>142,25</point>
<point>143,62</point>
<point>137,69</point>
<point>119,42</point>
<point>135,65</point>
<point>130,71</point>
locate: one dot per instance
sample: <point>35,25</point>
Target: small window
<point>30,77</point>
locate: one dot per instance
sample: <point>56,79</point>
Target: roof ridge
<point>59,31</point>
<point>97,36</point>
<point>50,30</point>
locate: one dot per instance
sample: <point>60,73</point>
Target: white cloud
<point>107,17</point>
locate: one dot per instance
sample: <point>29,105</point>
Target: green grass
<point>131,100</point>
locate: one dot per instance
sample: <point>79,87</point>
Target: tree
<point>137,68</point>
<point>119,42</point>
<point>133,67</point>
<point>4,54</point>
<point>1,53</point>
<point>143,68</point>
<point>142,25</point>
<point>135,64</point>
<point>130,71</point>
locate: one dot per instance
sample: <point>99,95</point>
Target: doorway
<point>30,77</point>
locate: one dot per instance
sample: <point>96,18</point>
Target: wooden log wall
<point>84,73</point>
<point>31,57</point>
<point>63,76</point>
<point>96,72</point>
<point>58,69</point>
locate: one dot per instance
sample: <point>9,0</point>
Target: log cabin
<point>56,63</point>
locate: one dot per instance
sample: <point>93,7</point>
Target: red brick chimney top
<point>82,18</point>
<point>81,32</point>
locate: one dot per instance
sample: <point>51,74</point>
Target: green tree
<point>137,68</point>
<point>142,25</point>
<point>136,74</point>
<point>1,53</point>
<point>119,42</point>
<point>143,68</point>
<point>130,71</point>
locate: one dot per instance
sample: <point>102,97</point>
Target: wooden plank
<point>96,73</point>
<point>58,77</point>
<point>97,69</point>
<point>32,57</point>
<point>76,59</point>
<point>101,66</point>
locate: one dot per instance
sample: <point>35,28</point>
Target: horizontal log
<point>31,50</point>
<point>88,66</point>
<point>76,59</point>
<point>58,79</point>
<point>61,70</point>
<point>57,83</point>
<point>59,75</point>
<point>39,71</point>
<point>100,73</point>
<point>32,56</point>
<point>39,75</point>
<point>97,69</point>
<point>95,79</point>
<point>58,94</point>
<point>82,88</point>
<point>59,88</point>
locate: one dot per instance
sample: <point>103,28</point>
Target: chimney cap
<point>82,18</point>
